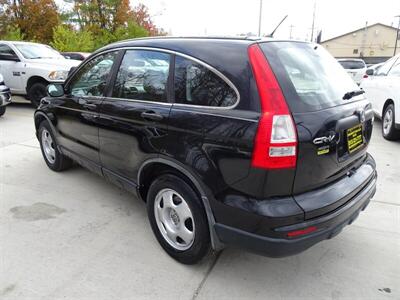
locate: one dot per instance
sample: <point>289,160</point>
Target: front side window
<point>395,70</point>
<point>91,80</point>
<point>6,51</point>
<point>143,75</point>
<point>197,85</point>
<point>384,69</point>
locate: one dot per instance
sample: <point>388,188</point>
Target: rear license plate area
<point>355,139</point>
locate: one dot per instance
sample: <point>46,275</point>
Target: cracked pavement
<point>73,235</point>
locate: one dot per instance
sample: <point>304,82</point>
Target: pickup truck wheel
<point>178,219</point>
<point>389,130</point>
<point>54,159</point>
<point>36,92</point>
<point>2,110</point>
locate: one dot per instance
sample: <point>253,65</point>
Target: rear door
<point>134,115</point>
<point>333,133</point>
<point>11,70</point>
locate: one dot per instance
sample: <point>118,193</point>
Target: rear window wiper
<point>352,94</point>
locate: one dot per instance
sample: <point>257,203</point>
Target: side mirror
<point>11,57</point>
<point>55,90</point>
<point>72,70</point>
<point>370,72</point>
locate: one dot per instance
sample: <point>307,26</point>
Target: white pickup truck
<point>28,68</point>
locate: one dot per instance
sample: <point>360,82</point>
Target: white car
<point>383,90</point>
<point>28,68</point>
<point>355,68</point>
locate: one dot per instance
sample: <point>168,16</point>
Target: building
<point>374,43</point>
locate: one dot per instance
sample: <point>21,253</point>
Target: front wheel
<point>178,219</point>
<point>54,159</point>
<point>389,130</point>
<point>2,110</point>
<point>36,92</point>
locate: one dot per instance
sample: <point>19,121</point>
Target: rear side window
<point>352,64</point>
<point>143,75</point>
<point>310,78</point>
<point>195,84</point>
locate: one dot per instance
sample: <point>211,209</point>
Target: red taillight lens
<point>301,231</point>
<point>365,76</point>
<point>276,141</point>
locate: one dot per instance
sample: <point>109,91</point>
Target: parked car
<point>5,96</point>
<point>75,55</point>
<point>29,67</point>
<point>374,69</point>
<point>355,68</point>
<point>383,90</point>
<point>253,149</point>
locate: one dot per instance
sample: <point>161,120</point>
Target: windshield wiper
<point>352,94</point>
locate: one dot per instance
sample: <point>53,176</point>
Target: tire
<point>178,219</point>
<point>2,110</point>
<point>54,159</point>
<point>36,92</point>
<point>389,130</point>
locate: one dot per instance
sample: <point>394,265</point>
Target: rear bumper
<point>328,226</point>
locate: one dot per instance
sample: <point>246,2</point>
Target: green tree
<point>68,39</point>
<point>12,33</point>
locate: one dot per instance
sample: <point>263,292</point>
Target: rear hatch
<point>333,133</point>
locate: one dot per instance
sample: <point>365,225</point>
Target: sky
<point>233,17</point>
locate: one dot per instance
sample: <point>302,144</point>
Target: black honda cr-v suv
<point>260,144</point>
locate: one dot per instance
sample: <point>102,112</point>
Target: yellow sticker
<point>323,151</point>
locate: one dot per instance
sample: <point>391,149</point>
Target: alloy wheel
<point>48,146</point>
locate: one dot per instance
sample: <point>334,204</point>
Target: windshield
<point>352,64</point>
<point>310,77</point>
<point>36,51</point>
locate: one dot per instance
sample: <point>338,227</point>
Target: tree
<point>67,39</point>
<point>142,17</point>
<point>35,19</point>
<point>12,33</point>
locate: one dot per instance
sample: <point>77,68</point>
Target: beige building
<point>374,43</point>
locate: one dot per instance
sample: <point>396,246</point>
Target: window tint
<point>91,80</point>
<point>197,85</point>
<point>6,50</point>
<point>143,75</point>
<point>310,72</point>
<point>384,69</point>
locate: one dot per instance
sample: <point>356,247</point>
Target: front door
<point>134,115</point>
<point>12,71</point>
<point>78,110</point>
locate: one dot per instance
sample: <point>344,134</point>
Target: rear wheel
<point>54,159</point>
<point>36,92</point>
<point>2,110</point>
<point>389,130</point>
<point>178,219</point>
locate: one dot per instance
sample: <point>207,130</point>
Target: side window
<point>6,51</point>
<point>384,69</point>
<point>91,80</point>
<point>197,85</point>
<point>395,70</point>
<point>143,75</point>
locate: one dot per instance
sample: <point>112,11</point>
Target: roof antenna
<point>272,33</point>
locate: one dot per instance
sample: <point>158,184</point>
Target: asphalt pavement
<point>73,235</point>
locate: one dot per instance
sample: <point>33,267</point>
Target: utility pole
<point>313,21</point>
<point>397,36</point>
<point>259,18</point>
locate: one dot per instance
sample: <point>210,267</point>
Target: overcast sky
<point>232,17</point>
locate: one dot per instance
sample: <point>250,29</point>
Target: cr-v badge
<point>324,139</point>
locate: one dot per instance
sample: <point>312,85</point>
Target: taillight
<point>276,140</point>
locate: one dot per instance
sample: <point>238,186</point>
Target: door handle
<point>89,105</point>
<point>151,116</point>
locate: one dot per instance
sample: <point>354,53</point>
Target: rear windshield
<point>352,64</point>
<point>310,78</point>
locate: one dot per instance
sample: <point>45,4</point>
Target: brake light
<point>276,140</point>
